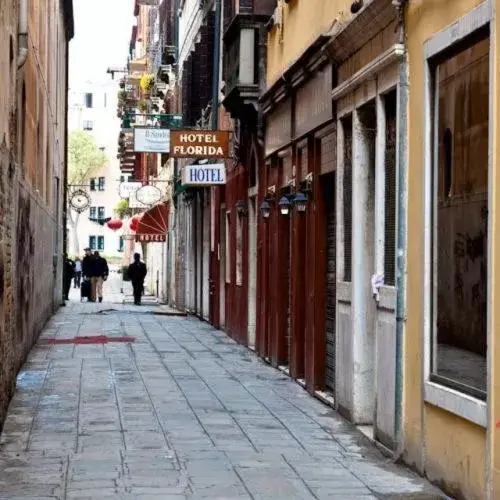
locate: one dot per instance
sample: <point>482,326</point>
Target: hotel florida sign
<point>199,144</point>
<point>204,175</point>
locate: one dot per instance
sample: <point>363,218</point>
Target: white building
<point>92,108</point>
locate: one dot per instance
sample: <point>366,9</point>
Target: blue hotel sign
<point>204,175</point>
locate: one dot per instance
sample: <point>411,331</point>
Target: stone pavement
<point>180,412</point>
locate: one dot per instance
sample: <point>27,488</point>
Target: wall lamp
<point>300,202</point>
<point>265,208</point>
<point>302,197</point>
<point>285,205</point>
<point>241,208</point>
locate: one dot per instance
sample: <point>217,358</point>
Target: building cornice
<point>297,73</point>
<point>375,66</point>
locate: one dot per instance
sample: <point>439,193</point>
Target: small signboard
<point>151,238</point>
<point>133,202</point>
<point>149,195</point>
<point>199,144</point>
<point>129,188</point>
<point>151,140</point>
<point>204,175</point>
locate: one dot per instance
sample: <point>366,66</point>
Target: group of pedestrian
<point>92,268</point>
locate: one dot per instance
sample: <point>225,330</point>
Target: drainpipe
<point>22,33</point>
<point>401,249</point>
<point>216,65</point>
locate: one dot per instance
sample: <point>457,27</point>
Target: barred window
<point>390,190</point>
<point>347,196</point>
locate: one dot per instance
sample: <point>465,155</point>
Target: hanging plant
<point>147,82</point>
<point>122,96</point>
<point>143,106</point>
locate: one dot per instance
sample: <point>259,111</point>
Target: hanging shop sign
<point>195,144</point>
<point>133,202</point>
<point>149,195</point>
<point>151,140</point>
<point>128,188</point>
<point>204,175</point>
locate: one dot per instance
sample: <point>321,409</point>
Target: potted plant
<point>143,106</point>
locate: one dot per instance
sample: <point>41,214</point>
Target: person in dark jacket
<point>137,273</point>
<point>88,271</point>
<point>100,272</point>
<point>68,274</point>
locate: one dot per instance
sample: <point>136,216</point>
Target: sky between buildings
<point>102,36</point>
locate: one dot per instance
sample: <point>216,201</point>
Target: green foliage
<point>122,209</point>
<point>84,157</point>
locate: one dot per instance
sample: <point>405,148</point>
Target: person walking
<point>137,273</point>
<point>101,272</point>
<point>88,272</point>
<point>78,272</point>
<point>68,274</point>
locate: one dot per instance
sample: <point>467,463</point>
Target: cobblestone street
<point>177,411</point>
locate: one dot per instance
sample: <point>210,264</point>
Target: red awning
<point>153,225</point>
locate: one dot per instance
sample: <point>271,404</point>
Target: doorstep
<point>326,398</point>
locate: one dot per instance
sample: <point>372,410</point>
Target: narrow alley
<point>176,409</point>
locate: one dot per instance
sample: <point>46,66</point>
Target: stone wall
<point>32,145</point>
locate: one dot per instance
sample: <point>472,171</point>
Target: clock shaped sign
<point>79,200</point>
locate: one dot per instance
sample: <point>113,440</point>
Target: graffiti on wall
<point>25,254</point>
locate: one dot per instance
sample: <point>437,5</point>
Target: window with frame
<point>228,247</point>
<point>460,102</point>
<point>93,242</point>
<point>100,243</point>
<point>239,251</point>
<point>93,212</point>
<point>92,184</point>
<point>100,212</point>
<point>88,100</point>
<point>88,125</point>
<point>102,183</point>
<point>121,244</point>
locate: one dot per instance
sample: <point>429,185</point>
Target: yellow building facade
<point>450,380</point>
<point>413,86</point>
